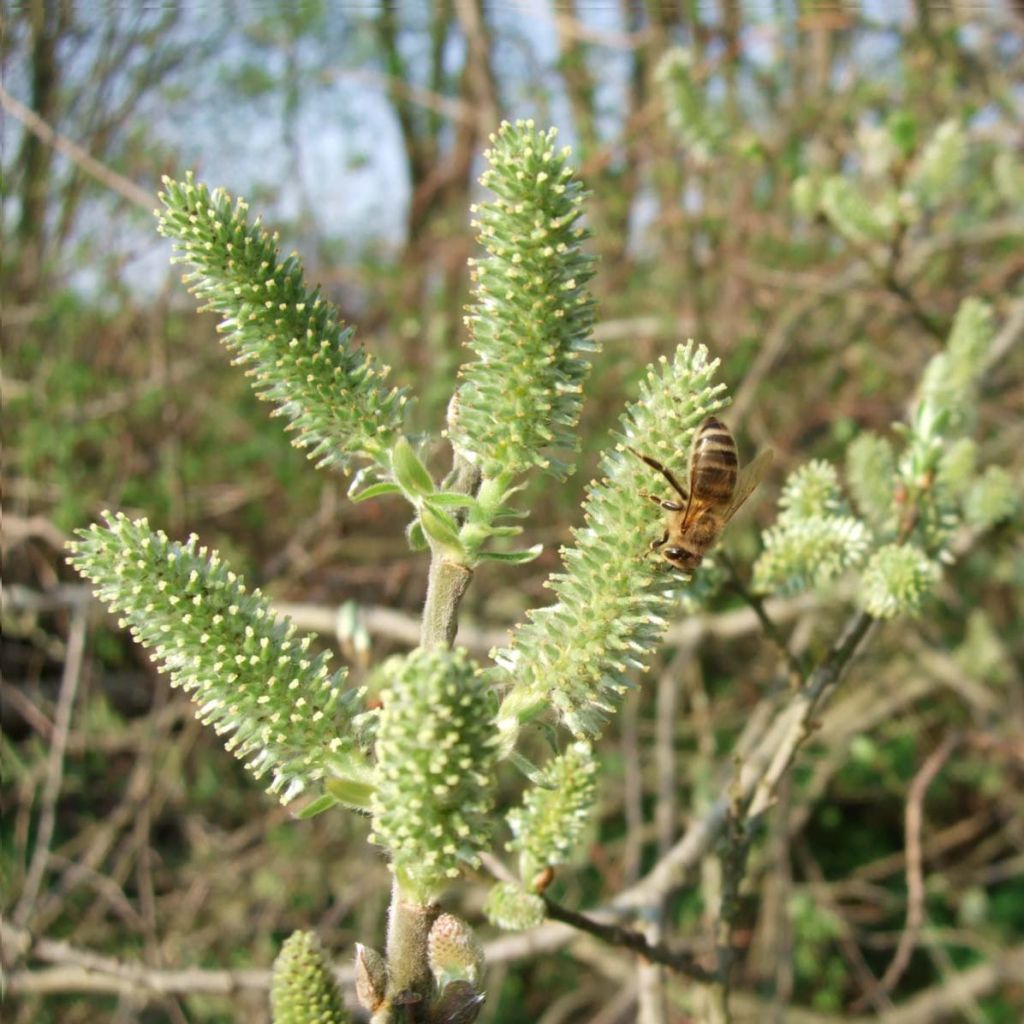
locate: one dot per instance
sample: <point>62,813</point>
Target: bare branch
<point>915,871</point>
<point>76,154</point>
<point>70,679</point>
<point>616,935</point>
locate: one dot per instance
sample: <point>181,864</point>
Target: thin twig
<point>76,154</point>
<point>761,770</point>
<point>81,970</point>
<point>617,935</point>
<point>915,261</point>
<point>390,624</point>
<point>768,624</point>
<point>632,790</point>
<point>70,679</point>
<point>859,967</point>
<point>915,873</point>
<point>1011,334</point>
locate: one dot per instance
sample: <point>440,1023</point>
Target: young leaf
<point>375,491</point>
<point>410,474</point>
<point>415,536</point>
<point>317,806</point>
<point>512,557</point>
<point>440,527</point>
<point>350,792</point>
<point>452,499</point>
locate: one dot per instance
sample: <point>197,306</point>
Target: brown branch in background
<point>634,840</point>
<point>752,788</point>
<point>451,108</point>
<point>808,299</point>
<point>616,935</point>
<point>389,624</point>
<point>76,154</point>
<point>70,679</point>
<point>846,939</point>
<point>760,771</point>
<point>915,871</point>
<point>768,624</point>
<point>81,970</point>
<point>483,89</point>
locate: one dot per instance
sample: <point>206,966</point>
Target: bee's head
<point>681,559</point>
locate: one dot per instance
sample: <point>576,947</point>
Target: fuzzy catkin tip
<point>303,989</point>
<point>299,355</point>
<point>248,673</point>
<point>555,812</point>
<point>435,754</point>
<point>531,318</point>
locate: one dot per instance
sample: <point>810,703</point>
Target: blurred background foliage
<point>742,159</point>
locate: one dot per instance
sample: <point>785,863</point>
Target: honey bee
<point>718,487</point>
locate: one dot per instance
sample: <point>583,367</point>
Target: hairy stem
<point>410,983</point>
<point>447,581</point>
<point>446,584</point>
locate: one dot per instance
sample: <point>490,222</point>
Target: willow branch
<point>759,774</point>
<point>79,970</point>
<point>446,584</point>
<point>914,819</point>
<point>76,154</point>
<point>617,935</point>
<point>55,766</point>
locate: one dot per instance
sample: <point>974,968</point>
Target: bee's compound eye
<point>682,559</point>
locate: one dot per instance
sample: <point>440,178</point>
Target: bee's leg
<point>666,473</point>
<point>669,506</point>
<point>655,544</point>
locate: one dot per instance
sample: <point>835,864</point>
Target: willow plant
<point>423,762</point>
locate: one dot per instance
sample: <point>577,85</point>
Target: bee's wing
<point>749,477</point>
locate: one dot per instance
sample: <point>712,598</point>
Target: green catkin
<point>531,319</point>
<point>289,337</point>
<point>248,673</point>
<point>435,757</point>
<point>303,989</point>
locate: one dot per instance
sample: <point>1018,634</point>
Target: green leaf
<point>375,491</point>
<point>410,474</point>
<point>512,557</point>
<point>440,526</point>
<point>504,531</point>
<point>527,767</point>
<point>903,131</point>
<point>452,499</point>
<point>416,537</point>
<point>350,792</point>
<point>318,806</point>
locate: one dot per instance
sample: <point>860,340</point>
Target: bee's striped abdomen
<point>714,463</point>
